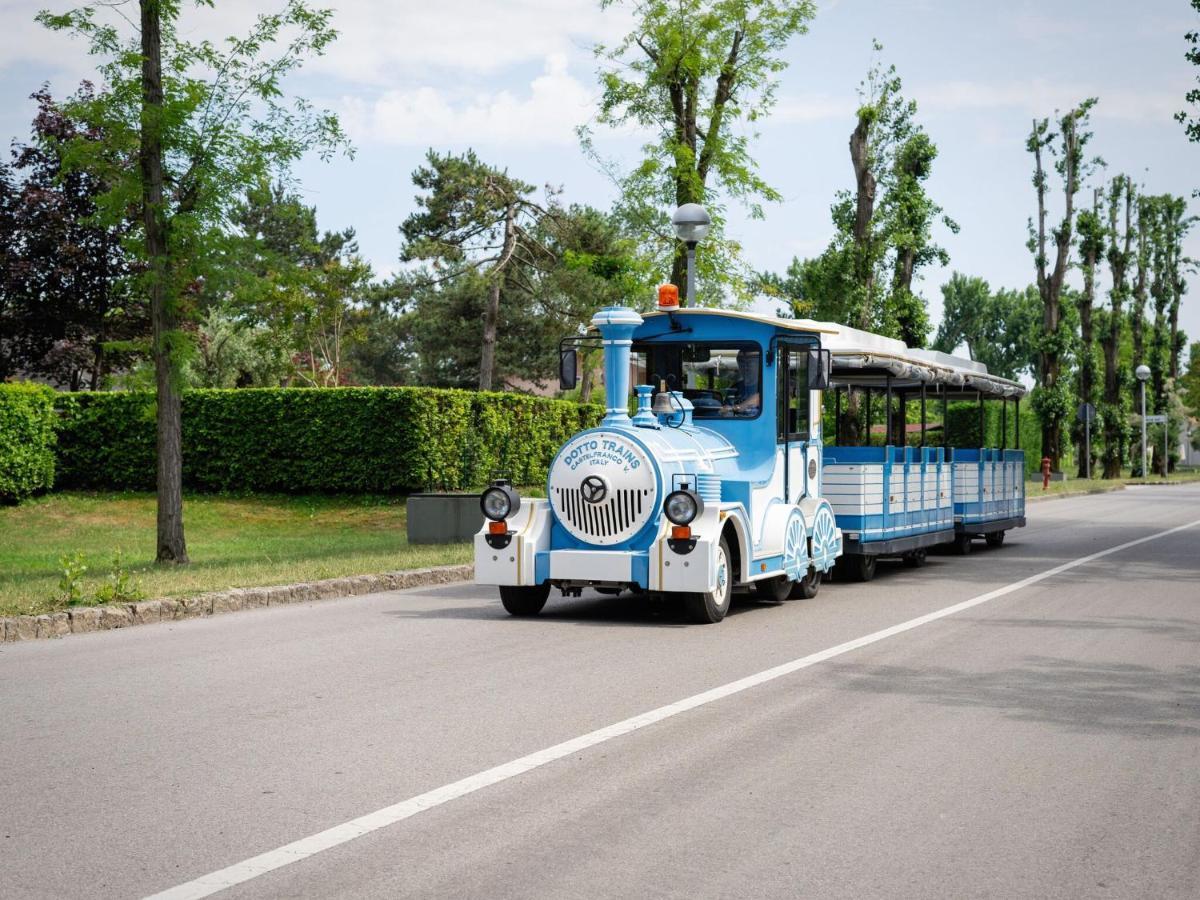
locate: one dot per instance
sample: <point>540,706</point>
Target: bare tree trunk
<point>171,545</point>
<point>865,190</point>
<point>491,313</point>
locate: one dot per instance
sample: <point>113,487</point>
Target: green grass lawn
<point>232,541</point>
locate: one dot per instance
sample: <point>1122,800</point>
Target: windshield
<point>721,380</point>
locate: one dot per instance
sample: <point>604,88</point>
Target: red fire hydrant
<point>1045,472</point>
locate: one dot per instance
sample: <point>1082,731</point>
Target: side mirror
<point>820,369</point>
<point>568,369</point>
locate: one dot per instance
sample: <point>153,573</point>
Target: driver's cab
<point>754,380</point>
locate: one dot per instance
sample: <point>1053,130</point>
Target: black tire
<point>774,590</point>
<point>710,607</point>
<point>806,588</point>
<point>524,601</point>
<point>864,569</point>
<point>915,559</point>
<point>995,538</point>
<point>962,544</point>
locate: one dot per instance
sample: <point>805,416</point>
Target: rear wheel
<point>806,588</point>
<point>962,544</point>
<point>775,589</point>
<point>995,538</point>
<point>524,601</point>
<point>857,567</point>
<point>914,559</point>
<point>710,607</point>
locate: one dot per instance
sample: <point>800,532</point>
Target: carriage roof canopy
<point>863,359</point>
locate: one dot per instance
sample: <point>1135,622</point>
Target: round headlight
<point>499,501</point>
<point>681,507</point>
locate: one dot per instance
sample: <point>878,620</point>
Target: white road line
<point>294,852</point>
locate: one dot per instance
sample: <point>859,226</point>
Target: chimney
<point>616,325</point>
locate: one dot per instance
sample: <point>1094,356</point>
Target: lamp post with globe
<point>691,222</point>
<point>1143,375</point>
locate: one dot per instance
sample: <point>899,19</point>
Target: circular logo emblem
<point>594,488</point>
<point>812,468</point>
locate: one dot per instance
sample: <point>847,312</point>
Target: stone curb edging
<point>1039,498</point>
<point>82,619</point>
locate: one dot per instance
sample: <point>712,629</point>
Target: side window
<point>792,393</point>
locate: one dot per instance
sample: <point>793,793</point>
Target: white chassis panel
<point>515,563</point>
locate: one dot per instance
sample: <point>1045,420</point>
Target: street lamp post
<point>1143,375</point>
<point>692,223</point>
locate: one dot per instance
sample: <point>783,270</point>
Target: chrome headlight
<point>681,507</point>
<point>499,501</point>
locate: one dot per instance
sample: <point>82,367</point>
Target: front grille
<point>618,513</point>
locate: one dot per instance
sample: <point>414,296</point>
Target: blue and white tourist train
<point>718,470</point>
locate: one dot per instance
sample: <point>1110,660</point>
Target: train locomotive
<point>715,472</point>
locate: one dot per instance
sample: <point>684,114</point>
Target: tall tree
<point>475,218</point>
<point>1066,147</point>
<point>66,307</point>
<point>691,72</point>
<point>883,228</point>
<point>999,329</point>
<point>1191,117</point>
<point>1119,254</point>
<point>1091,250</point>
<point>910,214</point>
<point>204,122</point>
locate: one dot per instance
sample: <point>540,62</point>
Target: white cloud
<point>380,41</point>
<point>1040,97</point>
<point>555,103</point>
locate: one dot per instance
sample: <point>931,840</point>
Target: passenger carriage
<point>715,473</point>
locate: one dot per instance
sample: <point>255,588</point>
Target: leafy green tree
<point>1092,237</point>
<point>1191,120</point>
<point>883,229</point>
<point>698,75</point>
<point>1065,144</point>
<point>474,218</point>
<point>999,329</point>
<point>231,353</point>
<point>1114,410</point>
<point>204,122</point>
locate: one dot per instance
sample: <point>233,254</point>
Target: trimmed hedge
<point>302,440</point>
<point>26,440</point>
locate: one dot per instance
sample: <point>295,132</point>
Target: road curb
<point>84,619</point>
<point>1040,498</point>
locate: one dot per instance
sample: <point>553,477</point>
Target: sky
<point>514,78</point>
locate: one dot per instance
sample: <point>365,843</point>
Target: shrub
<point>320,440</point>
<point>26,440</point>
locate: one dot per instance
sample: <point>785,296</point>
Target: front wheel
<point>995,538</point>
<point>710,607</point>
<point>524,601</point>
<point>962,544</point>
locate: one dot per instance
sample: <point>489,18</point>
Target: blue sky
<point>513,79</point>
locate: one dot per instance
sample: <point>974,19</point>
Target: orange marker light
<point>681,532</point>
<point>668,296</point>
<point>500,527</point>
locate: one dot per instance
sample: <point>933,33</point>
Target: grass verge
<point>233,541</point>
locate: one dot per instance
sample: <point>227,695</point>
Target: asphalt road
<point>1044,743</point>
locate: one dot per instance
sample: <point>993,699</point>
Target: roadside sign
<point>1086,413</point>
<point>1156,420</point>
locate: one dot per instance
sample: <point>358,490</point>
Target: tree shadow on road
<point>1088,698</point>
